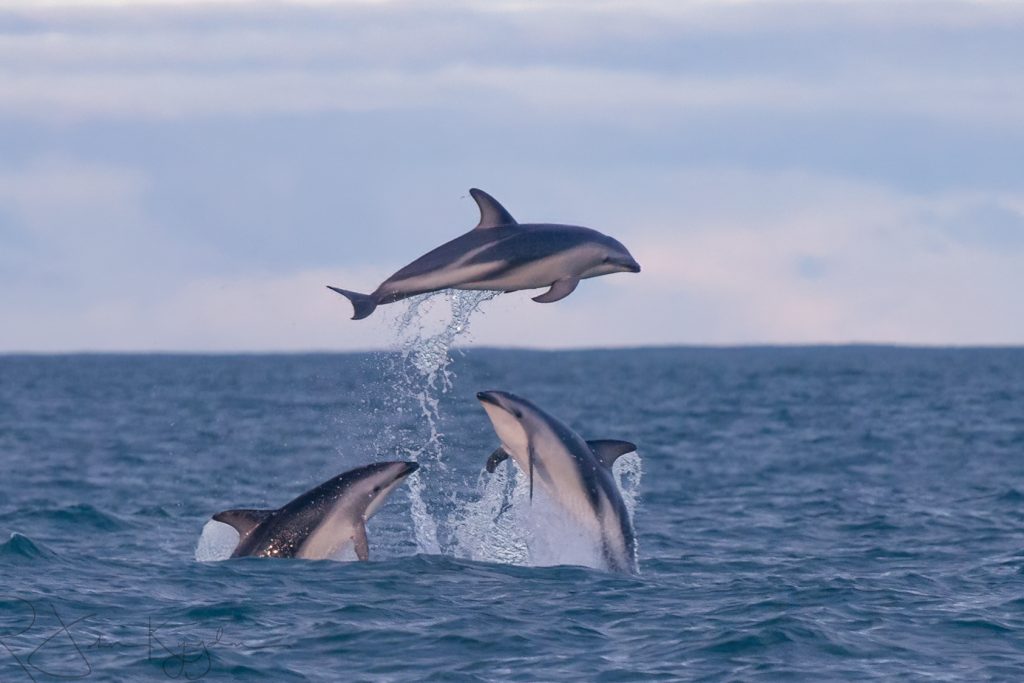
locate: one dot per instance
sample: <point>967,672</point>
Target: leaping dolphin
<point>575,473</point>
<point>503,255</point>
<point>321,522</point>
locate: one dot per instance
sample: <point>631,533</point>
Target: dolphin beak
<point>488,397</point>
<point>410,467</point>
<point>627,264</point>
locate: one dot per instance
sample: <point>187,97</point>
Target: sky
<point>187,176</point>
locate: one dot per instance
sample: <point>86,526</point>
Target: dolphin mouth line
<point>410,467</point>
<point>487,397</point>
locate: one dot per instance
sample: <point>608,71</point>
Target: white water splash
<point>504,525</point>
<point>421,376</point>
<point>489,529</point>
<point>628,470</point>
<point>217,542</point>
<point>426,351</point>
<point>500,523</point>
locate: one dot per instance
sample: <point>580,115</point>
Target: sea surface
<point>840,513</point>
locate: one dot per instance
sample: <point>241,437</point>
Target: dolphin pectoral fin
<point>531,473</point>
<point>492,214</point>
<point>243,521</point>
<point>559,290</point>
<point>362,545</point>
<point>362,304</point>
<point>607,450</point>
<point>497,457</point>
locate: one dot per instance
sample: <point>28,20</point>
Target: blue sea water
<point>817,514</point>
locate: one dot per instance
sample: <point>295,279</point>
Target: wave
<point>21,547</point>
<point>87,515</point>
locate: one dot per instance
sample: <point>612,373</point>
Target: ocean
<point>802,513</point>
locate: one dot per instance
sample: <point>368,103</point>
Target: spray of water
<point>217,542</point>
<point>420,374</point>
<point>501,524</point>
<point>628,470</point>
<point>498,523</point>
<point>488,528</point>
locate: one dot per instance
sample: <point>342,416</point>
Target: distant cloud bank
<point>185,176</point>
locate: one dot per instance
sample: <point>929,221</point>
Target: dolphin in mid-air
<point>321,522</point>
<point>502,255</point>
<point>575,473</point>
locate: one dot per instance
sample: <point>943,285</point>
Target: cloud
<point>181,175</point>
<point>64,221</point>
<point>990,224</point>
<point>883,272</point>
<point>275,312</point>
<point>556,62</point>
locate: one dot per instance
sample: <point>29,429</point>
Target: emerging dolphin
<point>322,521</point>
<point>500,254</point>
<point>575,473</point>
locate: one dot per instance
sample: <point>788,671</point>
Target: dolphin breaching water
<point>502,255</point>
<point>575,473</point>
<point>323,521</point>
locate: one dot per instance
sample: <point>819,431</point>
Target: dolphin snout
<point>626,263</point>
<point>630,264</point>
<point>410,467</point>
<point>503,400</point>
<point>488,397</point>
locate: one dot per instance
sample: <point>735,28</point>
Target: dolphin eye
<point>518,413</point>
<point>607,259</point>
<point>376,489</point>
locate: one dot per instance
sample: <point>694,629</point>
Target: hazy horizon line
<point>533,349</point>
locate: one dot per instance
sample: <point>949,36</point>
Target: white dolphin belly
<point>327,540</point>
<point>532,275</point>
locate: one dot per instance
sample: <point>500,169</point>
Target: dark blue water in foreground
<point>804,514</point>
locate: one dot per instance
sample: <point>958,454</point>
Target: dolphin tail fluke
<point>362,304</point>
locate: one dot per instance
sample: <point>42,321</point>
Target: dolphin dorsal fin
<point>492,214</point>
<point>244,521</point>
<point>607,450</point>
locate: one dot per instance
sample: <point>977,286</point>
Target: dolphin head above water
<point>374,483</point>
<point>609,256</point>
<point>513,418</point>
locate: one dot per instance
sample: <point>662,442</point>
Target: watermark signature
<point>40,642</point>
